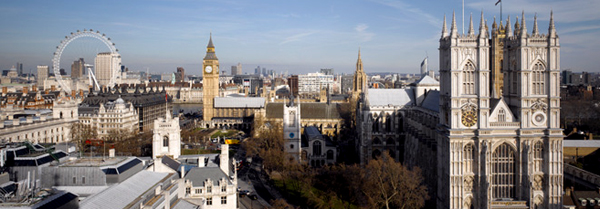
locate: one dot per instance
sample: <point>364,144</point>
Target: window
<point>188,190</point>
<point>468,158</point>
<point>208,189</point>
<point>74,180</point>
<point>538,151</point>
<point>223,188</point>
<point>224,200</point>
<point>469,79</point>
<point>292,119</point>
<point>209,201</point>
<point>329,154</point>
<point>501,115</point>
<point>317,148</point>
<point>83,180</point>
<point>539,79</point>
<point>165,141</point>
<point>503,172</point>
<point>198,191</point>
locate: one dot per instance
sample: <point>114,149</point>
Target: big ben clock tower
<point>210,80</point>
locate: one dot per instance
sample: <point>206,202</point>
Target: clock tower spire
<point>210,80</point>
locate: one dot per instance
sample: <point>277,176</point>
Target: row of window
<point>538,80</point>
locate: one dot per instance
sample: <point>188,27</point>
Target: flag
<point>166,97</point>
<point>498,2</point>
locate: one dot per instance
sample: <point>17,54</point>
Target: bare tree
<point>388,184</point>
<point>80,133</point>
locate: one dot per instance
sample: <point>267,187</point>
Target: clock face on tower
<point>208,69</point>
<point>291,135</point>
<point>469,118</point>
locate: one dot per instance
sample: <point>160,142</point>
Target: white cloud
<point>361,27</point>
<point>296,37</point>
<point>411,11</point>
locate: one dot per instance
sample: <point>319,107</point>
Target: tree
<point>267,143</point>
<point>388,184</point>
<point>80,133</point>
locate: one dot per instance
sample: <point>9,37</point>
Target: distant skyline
<point>294,36</point>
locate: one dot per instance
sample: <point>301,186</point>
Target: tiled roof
<point>198,175</point>
<point>427,80</point>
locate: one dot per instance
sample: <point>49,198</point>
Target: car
<point>253,197</point>
<point>244,193</point>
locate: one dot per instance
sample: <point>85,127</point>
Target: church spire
<point>359,65</point>
<point>471,30</point>
<point>494,25</point>
<point>551,28</point>
<point>482,27</point>
<point>523,26</point>
<point>444,29</point>
<point>508,28</point>
<point>535,26</point>
<point>453,28</point>
<point>517,27</point>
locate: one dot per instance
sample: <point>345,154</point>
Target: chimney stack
<point>81,93</point>
<point>224,159</point>
<point>52,88</point>
<point>4,90</point>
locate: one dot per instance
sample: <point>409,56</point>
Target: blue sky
<point>297,36</point>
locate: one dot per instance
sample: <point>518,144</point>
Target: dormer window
<point>501,115</point>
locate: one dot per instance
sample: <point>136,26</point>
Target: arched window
<point>165,141</point>
<point>501,115</point>
<point>468,158</point>
<point>388,123</point>
<point>376,141</point>
<point>317,148</point>
<point>538,157</point>
<point>503,172</point>
<point>469,79</point>
<point>539,79</point>
<point>329,154</point>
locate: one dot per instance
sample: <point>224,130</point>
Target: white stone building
<point>107,65</point>
<point>494,153</point>
<point>112,116</point>
<point>166,139</point>
<point>39,126</point>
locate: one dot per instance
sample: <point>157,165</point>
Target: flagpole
<point>463,17</point>
<point>500,10</point>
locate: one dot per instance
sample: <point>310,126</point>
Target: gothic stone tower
<point>360,79</point>
<point>292,128</point>
<point>166,139</point>
<point>497,53</point>
<point>210,80</point>
<point>495,152</point>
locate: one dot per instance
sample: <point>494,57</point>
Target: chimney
<point>182,171</point>
<point>568,191</point>
<point>34,88</point>
<point>201,161</point>
<point>224,159</point>
<point>81,93</point>
<point>73,93</point>
<point>47,91</point>
<point>52,88</point>
<point>29,119</point>
<point>4,90</point>
<point>25,89</point>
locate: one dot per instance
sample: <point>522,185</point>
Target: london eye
<point>60,50</point>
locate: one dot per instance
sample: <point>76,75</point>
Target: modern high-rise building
<point>327,71</point>
<point>236,69</point>
<point>313,82</point>
<point>77,68</point>
<point>42,74</point>
<point>180,75</point>
<point>20,69</point>
<point>108,66</point>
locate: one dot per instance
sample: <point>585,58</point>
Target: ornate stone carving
<point>538,200</point>
<point>468,185</point>
<point>539,105</point>
<point>467,202</point>
<point>538,181</point>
